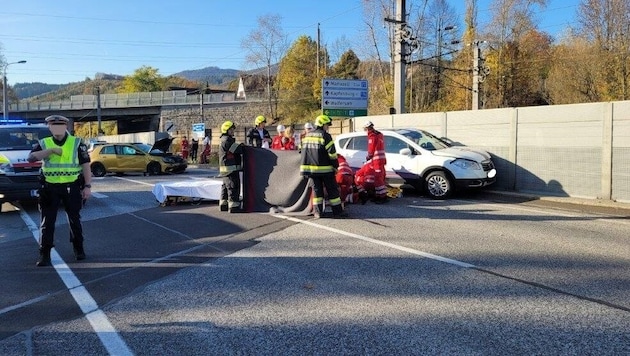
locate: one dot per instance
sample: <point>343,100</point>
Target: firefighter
<point>230,165</point>
<point>377,161</point>
<point>319,162</point>
<point>258,136</point>
<point>65,178</point>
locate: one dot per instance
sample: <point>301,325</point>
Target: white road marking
<point>135,181</point>
<point>105,331</point>
<point>99,195</point>
<point>378,242</point>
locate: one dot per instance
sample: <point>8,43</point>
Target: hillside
<point>215,77</point>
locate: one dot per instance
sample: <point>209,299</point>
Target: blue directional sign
<point>345,97</point>
<point>199,130</point>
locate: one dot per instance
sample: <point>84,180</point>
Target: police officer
<point>319,162</point>
<point>230,164</point>
<point>65,178</point>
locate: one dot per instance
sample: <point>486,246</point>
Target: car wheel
<point>154,169</point>
<point>98,170</point>
<point>438,185</point>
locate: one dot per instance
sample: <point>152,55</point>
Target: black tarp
<point>272,182</point>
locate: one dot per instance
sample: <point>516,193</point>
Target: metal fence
<point>160,98</point>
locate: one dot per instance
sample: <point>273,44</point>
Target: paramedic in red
<point>345,180</point>
<point>277,142</point>
<point>376,159</point>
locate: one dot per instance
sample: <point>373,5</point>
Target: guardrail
<point>162,98</point>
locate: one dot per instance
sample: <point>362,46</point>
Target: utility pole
<point>318,50</point>
<point>5,99</point>
<point>400,51</point>
<point>99,130</point>
<point>476,70</point>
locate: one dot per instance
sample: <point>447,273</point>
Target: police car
<point>19,179</point>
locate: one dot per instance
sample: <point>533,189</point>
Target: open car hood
<point>163,145</point>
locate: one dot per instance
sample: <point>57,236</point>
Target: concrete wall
<point>580,150</point>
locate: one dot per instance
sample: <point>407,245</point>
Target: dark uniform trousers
<point>231,188</point>
<point>50,197</point>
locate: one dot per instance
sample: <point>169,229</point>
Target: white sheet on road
<point>205,189</point>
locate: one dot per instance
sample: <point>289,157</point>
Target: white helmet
<point>367,124</point>
<point>280,128</point>
<point>308,126</point>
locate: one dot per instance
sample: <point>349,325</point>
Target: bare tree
<point>266,45</point>
<point>606,23</point>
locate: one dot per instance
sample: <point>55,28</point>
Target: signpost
<point>344,97</point>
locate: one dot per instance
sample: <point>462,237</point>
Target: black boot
<point>44,257</point>
<point>79,254</point>
<point>318,211</point>
<point>338,212</point>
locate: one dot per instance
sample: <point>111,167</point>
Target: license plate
<point>34,193</point>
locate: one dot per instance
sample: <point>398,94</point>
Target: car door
<point>108,157</point>
<point>400,166</point>
<point>130,159</point>
<point>355,151</point>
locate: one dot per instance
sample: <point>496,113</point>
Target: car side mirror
<point>405,152</point>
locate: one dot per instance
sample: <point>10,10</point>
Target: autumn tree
<point>347,66</point>
<point>606,24</point>
<point>574,73</point>
<point>297,80</point>
<point>265,47</point>
<point>511,21</point>
<point>144,79</point>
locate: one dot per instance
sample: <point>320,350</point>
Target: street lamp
<point>5,101</point>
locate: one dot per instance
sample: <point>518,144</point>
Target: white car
<point>422,160</point>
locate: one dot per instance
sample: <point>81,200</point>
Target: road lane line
<point>135,181</point>
<point>105,331</point>
<point>379,242</point>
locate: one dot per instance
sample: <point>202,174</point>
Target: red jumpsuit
<point>185,148</point>
<point>376,161</point>
<point>276,143</point>
<point>345,180</point>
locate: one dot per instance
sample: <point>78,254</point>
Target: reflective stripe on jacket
<point>318,153</point>
<point>376,148</point>
<point>229,155</point>
<point>64,168</point>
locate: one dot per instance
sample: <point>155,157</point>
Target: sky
<point>67,41</point>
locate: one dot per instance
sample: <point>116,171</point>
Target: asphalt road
<point>479,274</point>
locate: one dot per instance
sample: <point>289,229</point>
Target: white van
<point>19,179</point>
<point>420,159</point>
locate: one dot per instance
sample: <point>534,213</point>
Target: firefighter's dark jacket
<point>230,155</point>
<point>318,153</point>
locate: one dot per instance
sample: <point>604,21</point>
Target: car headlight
<point>168,159</point>
<point>466,164</point>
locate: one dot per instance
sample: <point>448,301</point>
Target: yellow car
<point>122,158</point>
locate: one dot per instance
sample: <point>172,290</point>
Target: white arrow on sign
<point>345,103</point>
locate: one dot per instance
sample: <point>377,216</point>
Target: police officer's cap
<point>53,119</point>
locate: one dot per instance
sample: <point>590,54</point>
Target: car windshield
<point>144,147</point>
<point>424,139</point>
<point>21,138</point>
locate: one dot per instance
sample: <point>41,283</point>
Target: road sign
<point>199,130</point>
<point>169,126</point>
<point>345,97</point>
<point>345,112</point>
